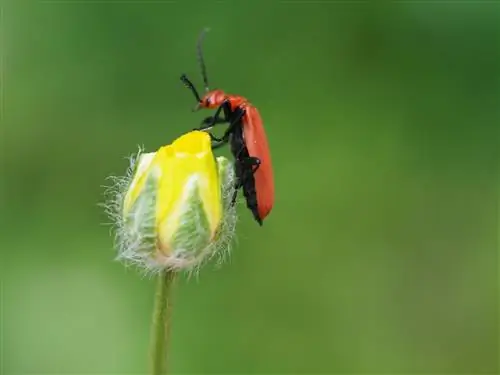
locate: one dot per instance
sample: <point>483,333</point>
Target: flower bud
<point>174,211</point>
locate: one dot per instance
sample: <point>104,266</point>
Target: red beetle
<point>247,138</point>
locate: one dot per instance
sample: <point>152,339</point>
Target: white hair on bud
<point>136,245</point>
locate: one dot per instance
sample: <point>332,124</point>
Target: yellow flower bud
<point>173,209</point>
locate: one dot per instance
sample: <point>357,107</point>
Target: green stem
<point>162,323</point>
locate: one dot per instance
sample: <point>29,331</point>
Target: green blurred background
<point>380,255</point>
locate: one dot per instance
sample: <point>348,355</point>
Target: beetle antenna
<point>201,61</point>
<point>190,86</point>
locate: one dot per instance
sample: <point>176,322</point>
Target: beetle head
<point>211,100</point>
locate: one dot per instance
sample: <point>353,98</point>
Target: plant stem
<point>162,323</point>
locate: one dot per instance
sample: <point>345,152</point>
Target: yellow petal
<point>186,165</point>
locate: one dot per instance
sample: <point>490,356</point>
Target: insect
<point>247,138</point>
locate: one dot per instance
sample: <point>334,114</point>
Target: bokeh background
<point>380,255</point>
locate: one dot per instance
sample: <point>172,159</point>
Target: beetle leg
<point>254,164</point>
<point>251,162</point>
<point>209,122</point>
<point>216,142</point>
<point>233,199</point>
<point>219,142</point>
<point>235,120</point>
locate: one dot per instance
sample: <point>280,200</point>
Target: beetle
<point>247,138</point>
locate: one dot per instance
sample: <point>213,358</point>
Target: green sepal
<point>227,181</point>
<point>193,235</point>
<point>140,220</point>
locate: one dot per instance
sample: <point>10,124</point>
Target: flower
<point>172,210</point>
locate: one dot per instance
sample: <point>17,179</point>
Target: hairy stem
<point>162,323</point>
